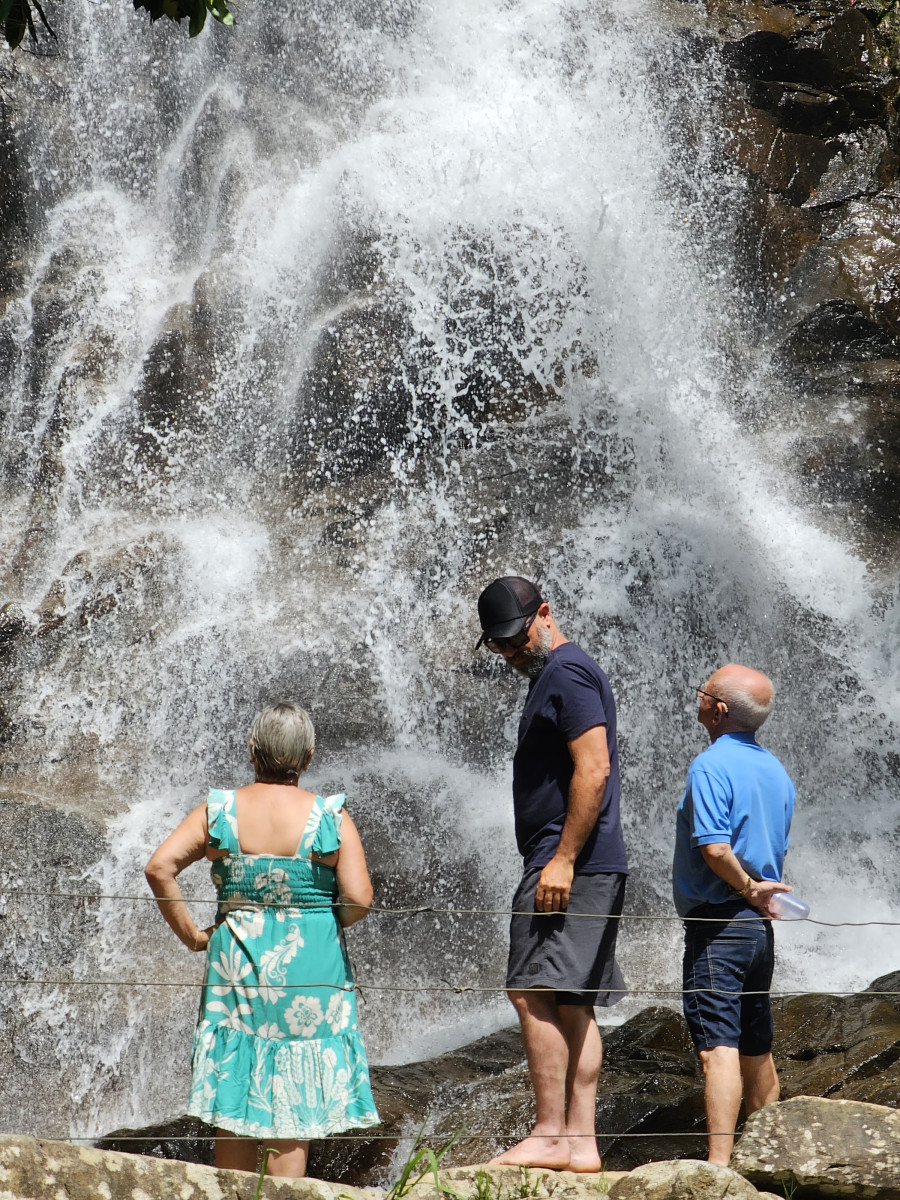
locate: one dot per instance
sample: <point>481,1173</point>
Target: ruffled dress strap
<point>221,816</point>
<point>324,832</point>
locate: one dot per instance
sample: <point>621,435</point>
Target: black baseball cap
<point>505,605</point>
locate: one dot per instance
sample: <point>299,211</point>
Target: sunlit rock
<point>826,1147</point>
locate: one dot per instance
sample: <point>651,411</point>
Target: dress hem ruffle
<point>280,1087</point>
<point>304,1134</point>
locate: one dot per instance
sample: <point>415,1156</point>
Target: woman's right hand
<point>201,941</point>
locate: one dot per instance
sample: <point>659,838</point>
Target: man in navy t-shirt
<point>731,836</point>
<point>566,805</point>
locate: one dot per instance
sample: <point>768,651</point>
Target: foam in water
<point>365,305</point>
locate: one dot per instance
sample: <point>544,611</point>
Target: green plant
<point>194,10</point>
<point>603,1183</point>
<point>789,1187</point>
<point>526,1189</point>
<point>423,1161</point>
<point>484,1186</point>
<point>262,1174</point>
<point>18,17</point>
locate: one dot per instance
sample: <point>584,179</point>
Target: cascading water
<point>324,322</point>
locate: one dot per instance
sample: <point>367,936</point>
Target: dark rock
<point>352,411</point>
<point>814,128</point>
<point>823,1148</point>
<point>46,851</point>
<point>845,1047</point>
<point>788,163</point>
<point>838,329</point>
<point>404,1096</point>
<point>838,52</point>
<point>862,165</point>
<point>183,1138</point>
<point>13,623</point>
<point>651,1089</point>
<point>13,221</point>
<point>650,1086</point>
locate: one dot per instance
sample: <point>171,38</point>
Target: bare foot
<point>583,1156</point>
<point>536,1151</point>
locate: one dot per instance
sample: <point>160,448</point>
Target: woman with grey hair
<point>278,1058</point>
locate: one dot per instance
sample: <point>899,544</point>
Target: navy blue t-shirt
<point>570,696</point>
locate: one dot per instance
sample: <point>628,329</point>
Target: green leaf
<point>153,7</point>
<point>220,12</point>
<point>16,23</point>
<point>198,17</point>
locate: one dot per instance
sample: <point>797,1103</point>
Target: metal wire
<point>373,1137</point>
<point>417,910</point>
<point>360,1137</point>
<point>459,989</point>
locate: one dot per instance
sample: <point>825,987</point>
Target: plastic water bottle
<point>788,906</point>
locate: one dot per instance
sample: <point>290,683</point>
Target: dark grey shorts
<point>573,955</point>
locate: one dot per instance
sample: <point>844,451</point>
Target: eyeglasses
<point>718,699</point>
<point>515,642</point>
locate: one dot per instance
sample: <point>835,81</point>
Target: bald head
<point>748,694</point>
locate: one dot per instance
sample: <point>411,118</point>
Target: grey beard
<point>537,658</point>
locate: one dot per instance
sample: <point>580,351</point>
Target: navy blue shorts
<point>725,961</point>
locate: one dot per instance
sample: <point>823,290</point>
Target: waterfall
<point>321,324</point>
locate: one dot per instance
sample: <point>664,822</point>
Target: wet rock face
<point>651,1094</point>
<point>843,1047</point>
<point>812,123</point>
<point>46,853</point>
<point>650,1087</point>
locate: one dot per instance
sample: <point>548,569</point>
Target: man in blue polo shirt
<point>566,805</point>
<point>731,837</point>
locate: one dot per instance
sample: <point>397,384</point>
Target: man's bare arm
<point>587,790</point>
<point>722,861</point>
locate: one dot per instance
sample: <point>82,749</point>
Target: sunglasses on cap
<point>515,642</point>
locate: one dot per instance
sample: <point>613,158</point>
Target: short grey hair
<point>282,737</point>
<point>743,708</point>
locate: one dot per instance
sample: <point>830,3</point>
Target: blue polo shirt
<point>570,696</point>
<point>737,792</point>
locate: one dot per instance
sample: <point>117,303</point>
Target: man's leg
<point>761,1086</point>
<point>585,1049</point>
<point>722,1093</point>
<point>548,1058</point>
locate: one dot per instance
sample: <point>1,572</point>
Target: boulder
<point>510,1183</point>
<point>34,1170</point>
<point>823,1147</point>
<point>683,1179</point>
<point>843,1047</point>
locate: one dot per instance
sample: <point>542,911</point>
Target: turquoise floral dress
<point>277,1050</point>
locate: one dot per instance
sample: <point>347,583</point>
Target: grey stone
<point>829,1147</point>
<point>35,1170</point>
<point>683,1179</point>
<point>510,1183</point>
